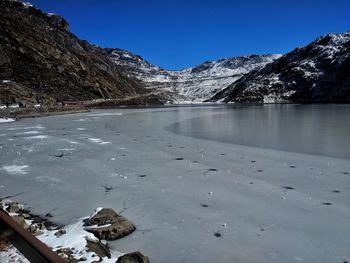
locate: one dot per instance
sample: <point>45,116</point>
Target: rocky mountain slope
<point>193,84</point>
<point>47,64</point>
<point>318,72</point>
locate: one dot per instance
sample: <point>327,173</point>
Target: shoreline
<point>31,112</point>
<point>81,106</point>
<point>22,113</point>
<point>78,241</point>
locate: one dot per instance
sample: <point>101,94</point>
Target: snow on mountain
<point>193,84</point>
<point>318,72</point>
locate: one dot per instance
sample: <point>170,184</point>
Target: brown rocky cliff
<point>39,53</point>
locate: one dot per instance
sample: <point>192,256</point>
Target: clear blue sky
<point>182,33</point>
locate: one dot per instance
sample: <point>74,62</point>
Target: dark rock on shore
<point>13,207</point>
<point>134,257</point>
<point>99,248</point>
<point>107,224</point>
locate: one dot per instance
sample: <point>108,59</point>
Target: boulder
<point>134,257</point>
<point>107,224</point>
<point>20,220</point>
<point>13,208</point>
<point>67,254</point>
<point>60,232</point>
<point>99,248</point>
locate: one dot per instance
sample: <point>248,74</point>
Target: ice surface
<point>37,137</point>
<point>31,132</point>
<point>191,199</point>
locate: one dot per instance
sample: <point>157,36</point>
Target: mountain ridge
<point>317,72</point>
<point>194,84</point>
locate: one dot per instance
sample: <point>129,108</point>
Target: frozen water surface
<point>201,184</point>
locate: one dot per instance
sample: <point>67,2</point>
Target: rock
<point>33,228</point>
<point>60,232</point>
<point>66,254</point>
<point>134,257</point>
<point>41,226</point>
<point>4,245</point>
<point>107,224</point>
<point>21,221</point>
<point>13,208</point>
<point>99,248</point>
<point>25,215</point>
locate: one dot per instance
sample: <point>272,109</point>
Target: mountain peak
<point>26,7</point>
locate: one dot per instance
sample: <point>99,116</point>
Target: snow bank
<point>5,120</point>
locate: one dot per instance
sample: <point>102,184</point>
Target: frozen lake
<point>202,184</point>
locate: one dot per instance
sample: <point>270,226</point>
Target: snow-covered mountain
<point>318,72</point>
<point>193,84</point>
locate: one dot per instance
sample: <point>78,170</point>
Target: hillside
<point>47,64</point>
<point>318,72</point>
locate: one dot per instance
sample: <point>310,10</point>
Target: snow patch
<point>39,127</point>
<point>5,120</point>
<point>75,239</point>
<point>30,132</point>
<point>37,137</point>
<point>16,169</point>
<point>98,140</point>
<point>66,149</point>
<point>27,4</point>
<point>14,106</point>
<point>105,114</point>
<point>98,209</point>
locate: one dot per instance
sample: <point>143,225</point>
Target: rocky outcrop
<point>45,63</point>
<point>318,72</point>
<point>15,93</point>
<point>107,224</point>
